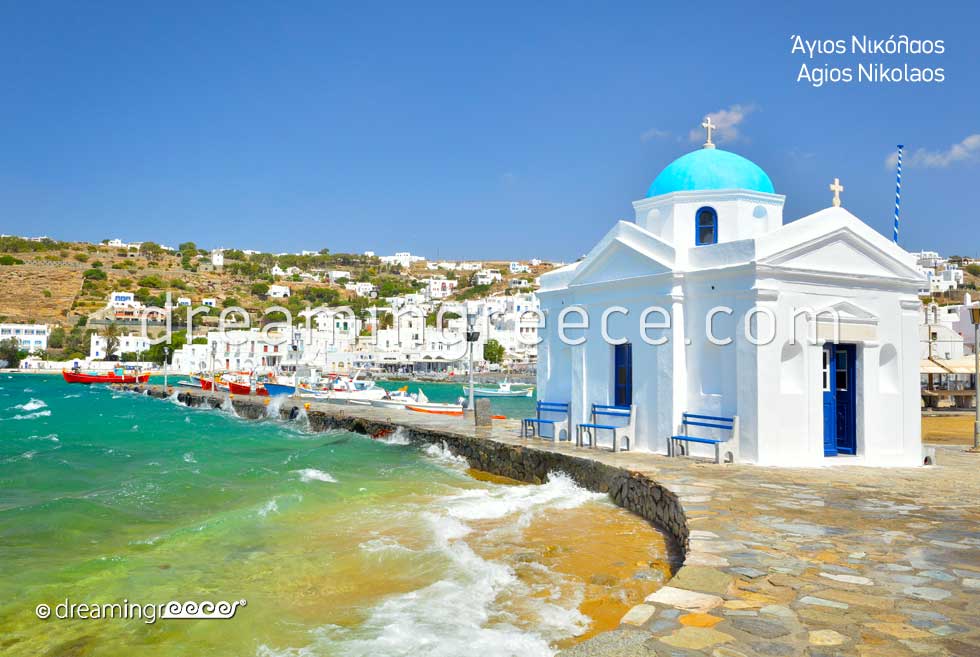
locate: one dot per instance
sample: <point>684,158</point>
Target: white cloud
<point>654,133</point>
<point>966,150</point>
<point>726,124</point>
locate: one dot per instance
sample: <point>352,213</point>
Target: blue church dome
<point>710,168</point>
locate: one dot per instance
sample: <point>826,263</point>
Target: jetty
<point>809,562</point>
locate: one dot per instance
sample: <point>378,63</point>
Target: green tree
<point>259,289</point>
<point>155,353</point>
<point>56,339</point>
<point>151,249</point>
<point>493,351</point>
<point>10,353</point>
<point>111,335</point>
<point>189,248</point>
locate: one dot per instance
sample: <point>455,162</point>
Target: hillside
<point>59,282</point>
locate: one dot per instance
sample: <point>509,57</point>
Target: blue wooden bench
<point>626,430</point>
<point>678,445</point>
<point>531,426</point>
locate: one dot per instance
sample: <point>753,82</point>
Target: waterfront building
<point>939,331</point>
<point>30,337</point>
<point>133,343</point>
<point>815,347</point>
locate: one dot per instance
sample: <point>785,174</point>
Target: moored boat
<point>116,376</point>
<point>506,389</point>
<point>423,405</point>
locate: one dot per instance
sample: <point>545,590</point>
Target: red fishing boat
<point>104,377</point>
<point>245,388</point>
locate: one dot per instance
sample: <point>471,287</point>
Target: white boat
<point>423,405</point>
<point>506,389</point>
<point>395,399</point>
<point>344,391</point>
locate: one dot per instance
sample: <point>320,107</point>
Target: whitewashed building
<point>278,292</point>
<point>403,259</point>
<point>709,235</point>
<point>439,287</point>
<point>30,337</point>
<point>133,343</point>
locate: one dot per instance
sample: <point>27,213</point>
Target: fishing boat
<point>395,399</point>
<point>506,389</point>
<point>116,376</point>
<point>423,405</point>
<point>279,388</point>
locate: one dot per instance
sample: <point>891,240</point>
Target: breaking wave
<point>306,475</point>
<point>466,610</point>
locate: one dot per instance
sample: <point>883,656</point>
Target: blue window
<point>623,374</point>
<point>706,226</point>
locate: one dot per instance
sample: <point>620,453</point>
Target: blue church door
<point>839,399</point>
<point>623,374</point>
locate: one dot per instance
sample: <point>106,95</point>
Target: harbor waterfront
<point>789,561</point>
<point>340,544</point>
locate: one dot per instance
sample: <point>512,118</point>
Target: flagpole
<point>898,192</point>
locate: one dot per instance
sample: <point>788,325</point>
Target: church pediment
<point>841,252</point>
<point>845,311</point>
<point>626,252</point>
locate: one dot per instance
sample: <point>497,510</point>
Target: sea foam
<point>307,475</point>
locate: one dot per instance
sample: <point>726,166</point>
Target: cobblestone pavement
<point>817,562</point>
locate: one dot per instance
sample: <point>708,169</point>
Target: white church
<point>803,335</point>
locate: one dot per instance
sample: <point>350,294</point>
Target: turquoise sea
<point>341,545</point>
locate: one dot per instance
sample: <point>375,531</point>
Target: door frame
<point>842,443</point>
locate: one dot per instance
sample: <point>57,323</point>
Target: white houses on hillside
<point>708,303</point>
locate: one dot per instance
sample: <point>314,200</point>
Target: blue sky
<point>459,129</point>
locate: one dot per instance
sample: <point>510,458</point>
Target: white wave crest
<point>398,437</point>
<point>441,453</point>
<point>32,405</point>
<point>32,416</point>
<point>559,492</point>
<point>306,475</point>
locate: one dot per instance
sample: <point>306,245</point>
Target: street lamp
<point>975,318</point>
<point>472,335</point>
<point>214,380</point>
<point>166,356</point>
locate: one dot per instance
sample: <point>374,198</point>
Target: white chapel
<point>708,304</point>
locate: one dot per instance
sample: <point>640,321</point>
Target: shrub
<point>10,260</point>
<point>94,275</point>
<point>81,257</point>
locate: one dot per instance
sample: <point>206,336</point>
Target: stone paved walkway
<point>821,562</point>
<point>817,562</point>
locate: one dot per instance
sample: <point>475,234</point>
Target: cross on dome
<point>836,188</point>
<point>708,126</point>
